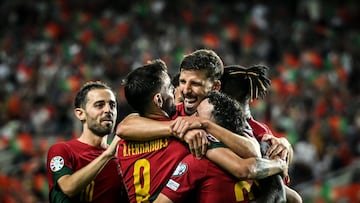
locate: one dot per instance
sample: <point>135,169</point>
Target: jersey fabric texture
<point>67,157</point>
<point>259,129</point>
<point>147,165</point>
<point>271,187</point>
<point>207,181</point>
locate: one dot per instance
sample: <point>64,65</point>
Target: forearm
<point>74,183</point>
<point>135,127</point>
<point>245,147</point>
<point>262,168</point>
<point>250,168</point>
<point>229,161</point>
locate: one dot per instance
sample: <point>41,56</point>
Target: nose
<point>107,107</point>
<point>186,88</point>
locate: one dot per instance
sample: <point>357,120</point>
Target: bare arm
<point>292,196</point>
<point>250,168</point>
<point>162,199</point>
<point>74,183</point>
<point>135,127</point>
<point>244,146</point>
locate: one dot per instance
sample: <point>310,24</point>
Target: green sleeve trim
<point>56,195</point>
<point>214,143</point>
<point>64,171</point>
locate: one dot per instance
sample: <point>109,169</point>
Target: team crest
<point>180,169</point>
<point>56,163</point>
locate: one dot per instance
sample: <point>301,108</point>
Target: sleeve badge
<point>180,169</point>
<point>56,163</point>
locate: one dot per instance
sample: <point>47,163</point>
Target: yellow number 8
<point>142,180</point>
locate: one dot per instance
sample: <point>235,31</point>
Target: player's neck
<point>89,138</point>
<point>157,114</point>
<point>247,111</point>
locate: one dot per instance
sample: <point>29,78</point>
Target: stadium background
<point>49,48</point>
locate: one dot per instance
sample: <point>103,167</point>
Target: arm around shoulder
<point>136,127</point>
<point>249,168</point>
<point>243,146</point>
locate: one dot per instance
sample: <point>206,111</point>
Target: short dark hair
<point>81,97</point>
<point>142,83</point>
<point>175,79</point>
<point>227,112</point>
<point>204,59</point>
<point>244,83</point>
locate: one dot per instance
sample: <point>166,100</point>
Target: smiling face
<point>100,112</point>
<point>194,85</point>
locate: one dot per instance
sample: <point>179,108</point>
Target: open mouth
<point>190,102</point>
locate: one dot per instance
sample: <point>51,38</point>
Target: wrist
<point>204,123</point>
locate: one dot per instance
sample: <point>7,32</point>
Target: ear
<point>217,85</point>
<point>158,101</point>
<point>80,114</point>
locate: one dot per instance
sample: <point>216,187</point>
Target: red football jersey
<point>259,129</point>
<point>207,181</point>
<point>147,165</point>
<point>67,157</point>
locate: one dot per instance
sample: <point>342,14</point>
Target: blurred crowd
<point>48,49</point>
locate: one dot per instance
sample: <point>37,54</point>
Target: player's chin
<point>190,111</point>
<point>106,130</point>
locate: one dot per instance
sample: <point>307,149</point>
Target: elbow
<point>125,127</point>
<point>124,131</point>
<point>243,171</point>
<point>121,131</point>
<point>68,190</point>
<point>257,154</point>
<point>255,150</point>
<point>69,186</point>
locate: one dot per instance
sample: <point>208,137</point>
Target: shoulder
<point>62,147</point>
<point>258,127</point>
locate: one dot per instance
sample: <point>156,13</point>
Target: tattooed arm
<point>249,168</point>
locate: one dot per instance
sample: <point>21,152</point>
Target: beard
<point>99,129</point>
<point>169,107</point>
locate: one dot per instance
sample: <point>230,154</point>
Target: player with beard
<point>203,179</point>
<point>81,169</point>
<point>200,72</point>
<point>147,165</point>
